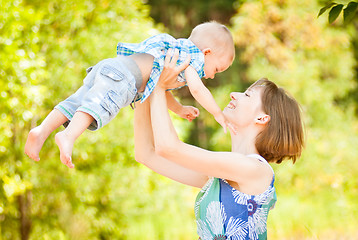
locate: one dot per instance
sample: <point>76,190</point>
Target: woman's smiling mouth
<point>231,105</point>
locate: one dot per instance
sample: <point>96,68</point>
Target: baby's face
<point>216,63</point>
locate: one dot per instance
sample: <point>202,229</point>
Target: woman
<point>237,187</point>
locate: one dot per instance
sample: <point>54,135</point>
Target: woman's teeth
<point>231,105</point>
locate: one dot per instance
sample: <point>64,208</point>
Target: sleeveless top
<point>223,212</point>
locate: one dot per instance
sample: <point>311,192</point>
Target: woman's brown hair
<point>283,136</point>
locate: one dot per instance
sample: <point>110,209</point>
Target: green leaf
<point>325,8</point>
<point>349,12</point>
<point>334,13</point>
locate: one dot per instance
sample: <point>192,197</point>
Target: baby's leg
<point>66,139</point>
<point>39,134</point>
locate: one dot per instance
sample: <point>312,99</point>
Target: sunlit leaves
<point>335,11</point>
<point>348,12</point>
<point>328,6</point>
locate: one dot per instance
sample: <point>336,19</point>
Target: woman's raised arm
<point>145,152</point>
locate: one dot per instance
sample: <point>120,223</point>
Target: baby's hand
<point>189,113</point>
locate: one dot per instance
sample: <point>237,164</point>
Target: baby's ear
<point>206,51</point>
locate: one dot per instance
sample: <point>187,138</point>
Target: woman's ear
<point>206,51</point>
<point>263,119</point>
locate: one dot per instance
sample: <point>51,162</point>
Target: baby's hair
<point>283,136</point>
<point>215,35</point>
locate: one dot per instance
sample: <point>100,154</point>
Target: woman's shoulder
<point>261,160</point>
<point>255,176</point>
<point>250,165</point>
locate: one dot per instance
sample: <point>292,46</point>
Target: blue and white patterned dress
<point>158,46</point>
<point>222,212</point>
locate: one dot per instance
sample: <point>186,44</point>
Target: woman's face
<point>244,108</point>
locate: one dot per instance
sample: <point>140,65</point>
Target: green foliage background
<point>45,47</point>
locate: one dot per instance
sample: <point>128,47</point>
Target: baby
<point>118,82</point>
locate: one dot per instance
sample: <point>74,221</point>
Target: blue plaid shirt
<point>158,46</point>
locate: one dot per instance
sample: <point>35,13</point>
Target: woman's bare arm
<point>145,152</point>
<point>144,141</point>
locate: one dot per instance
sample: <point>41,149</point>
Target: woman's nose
<point>233,96</point>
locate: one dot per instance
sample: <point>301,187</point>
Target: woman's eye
<point>247,95</point>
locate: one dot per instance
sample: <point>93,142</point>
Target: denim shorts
<point>108,87</point>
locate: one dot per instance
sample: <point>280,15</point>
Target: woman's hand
<point>168,77</point>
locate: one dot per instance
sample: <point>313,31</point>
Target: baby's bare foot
<point>34,143</point>
<point>65,145</point>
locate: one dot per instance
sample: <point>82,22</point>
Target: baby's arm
<point>186,112</point>
<point>204,96</point>
<point>173,104</point>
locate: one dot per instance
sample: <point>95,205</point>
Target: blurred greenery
<point>46,47</point>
